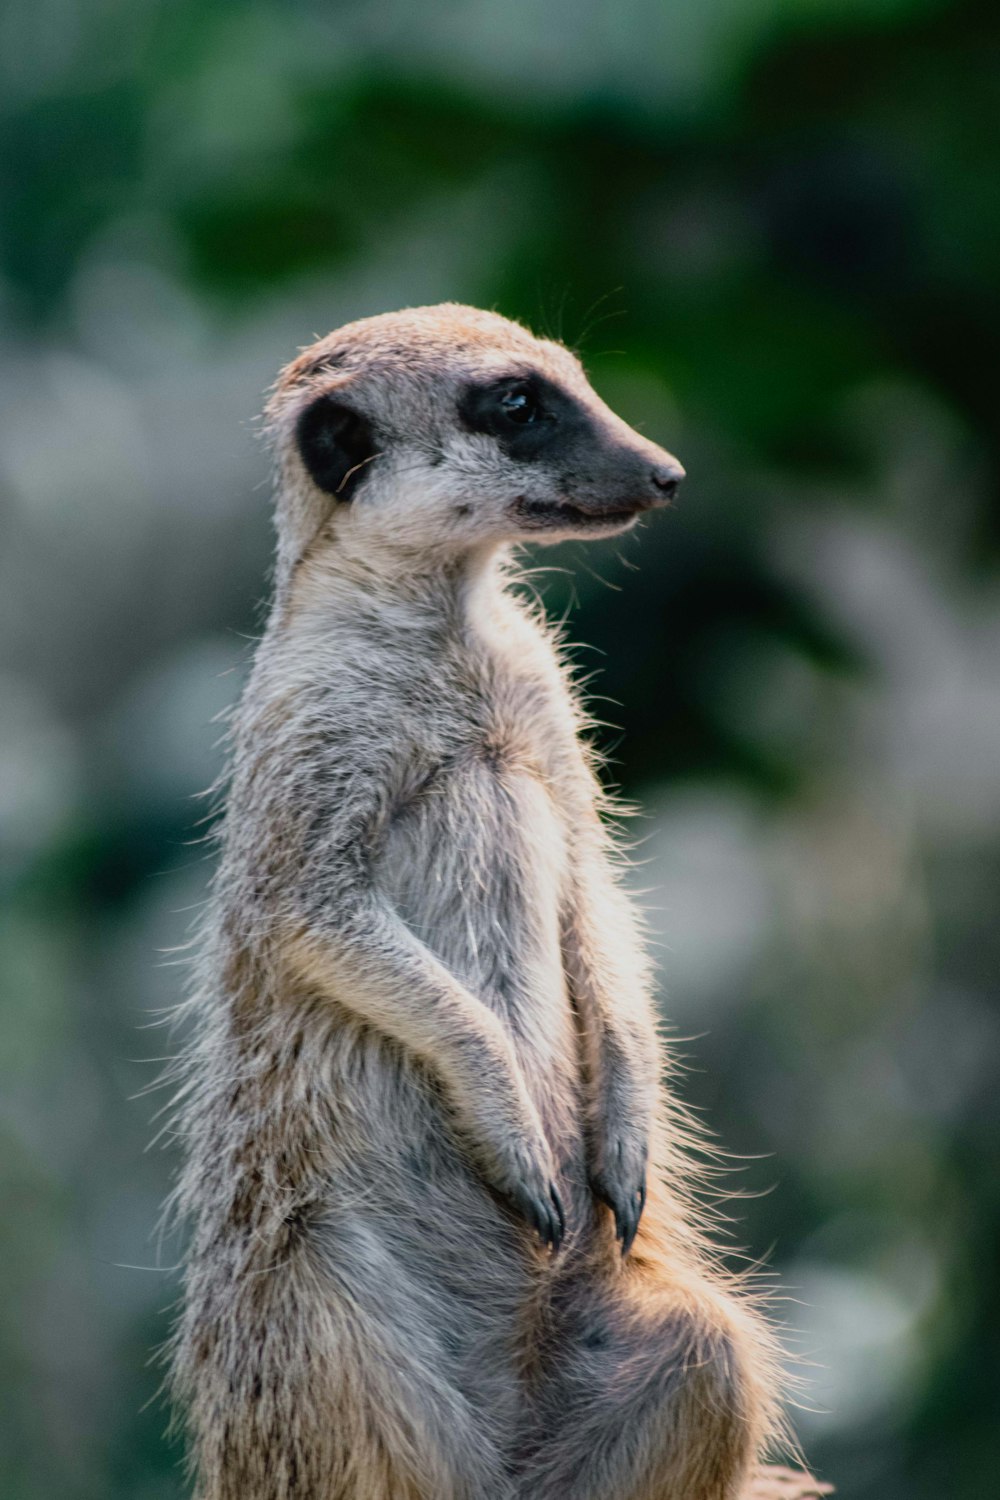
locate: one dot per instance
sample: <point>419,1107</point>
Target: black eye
<point>520,405</point>
<point>524,413</point>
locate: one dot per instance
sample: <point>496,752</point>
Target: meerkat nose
<point>667,478</point>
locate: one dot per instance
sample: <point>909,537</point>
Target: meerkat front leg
<point>364,957</point>
<point>607,973</point>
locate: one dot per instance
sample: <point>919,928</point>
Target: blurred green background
<point>772,227</point>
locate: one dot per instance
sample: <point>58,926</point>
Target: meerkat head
<point>445,429</point>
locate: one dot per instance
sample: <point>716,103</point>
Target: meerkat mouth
<point>544,515</point>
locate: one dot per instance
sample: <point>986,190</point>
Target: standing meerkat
<point>443,1239</point>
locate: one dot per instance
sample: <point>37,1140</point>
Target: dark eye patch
<point>337,444</point>
<point>529,416</point>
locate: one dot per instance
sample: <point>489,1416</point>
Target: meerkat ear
<point>336,444</point>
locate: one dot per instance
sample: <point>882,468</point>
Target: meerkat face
<point>448,428</point>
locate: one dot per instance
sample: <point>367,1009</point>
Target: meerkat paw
<point>527,1180</point>
<point>545,1214</point>
<point>618,1179</point>
<point>775,1482</point>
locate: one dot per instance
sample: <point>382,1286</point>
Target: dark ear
<point>336,443</point>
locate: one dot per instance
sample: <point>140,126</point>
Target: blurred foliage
<point>772,230</point>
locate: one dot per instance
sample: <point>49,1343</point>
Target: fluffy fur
<point>424,1112</point>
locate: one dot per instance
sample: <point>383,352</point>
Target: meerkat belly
<point>474,863</point>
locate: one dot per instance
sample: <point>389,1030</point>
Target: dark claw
<point>627,1231</point>
<point>549,1221</point>
<point>547,1218</point>
<point>627,1216</point>
<point>560,1226</point>
<point>634,1215</point>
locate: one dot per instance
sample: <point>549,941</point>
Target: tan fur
<point>423,1002</point>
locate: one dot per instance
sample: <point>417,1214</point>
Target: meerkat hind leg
<point>648,1400</point>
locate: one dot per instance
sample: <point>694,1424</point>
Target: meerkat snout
<point>667,479</point>
<point>439,429</point>
<point>586,469</point>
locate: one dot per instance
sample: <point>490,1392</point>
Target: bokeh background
<point>772,228</point>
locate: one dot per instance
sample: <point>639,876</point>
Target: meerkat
<point>444,1241</point>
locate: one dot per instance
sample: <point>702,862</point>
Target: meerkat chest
<point>474,858</point>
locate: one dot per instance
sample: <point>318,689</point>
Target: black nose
<point>667,478</point>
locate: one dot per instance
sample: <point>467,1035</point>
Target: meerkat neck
<point>453,594</point>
